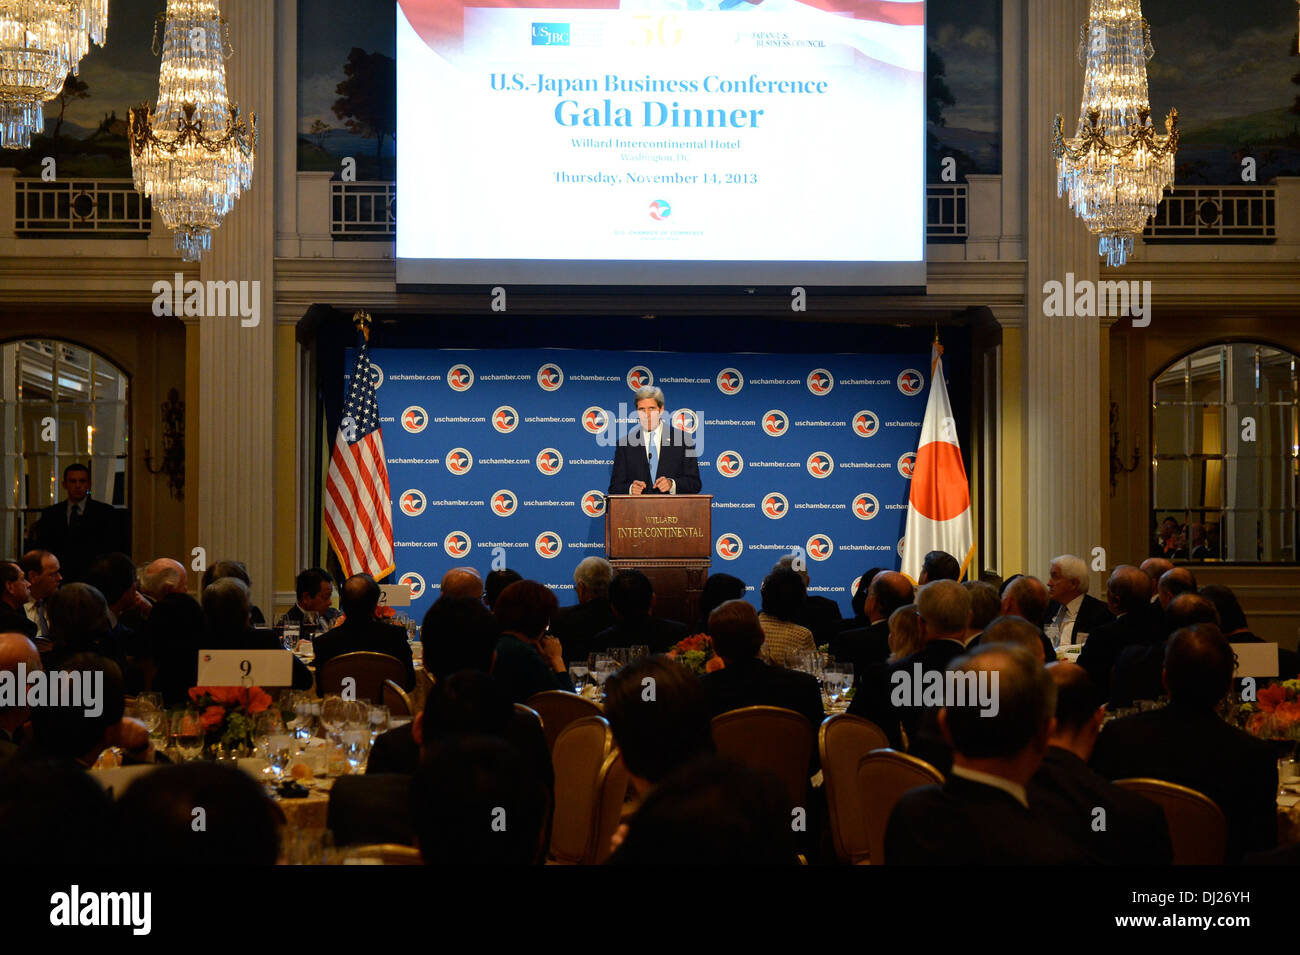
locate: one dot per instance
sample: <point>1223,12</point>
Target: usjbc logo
<point>820,464</point>
<point>549,461</point>
<point>730,381</point>
<point>820,381</point>
<point>776,423</point>
<point>415,582</point>
<point>412,502</point>
<point>730,463</point>
<point>548,544</point>
<point>456,544</point>
<point>595,419</point>
<point>729,546</point>
<point>550,377</point>
<point>460,377</point>
<point>910,382</point>
<point>907,464</point>
<point>638,376</point>
<point>459,461</point>
<point>660,209</point>
<point>593,503</point>
<point>865,506</point>
<point>685,420</point>
<point>415,419</point>
<point>505,419</point>
<point>866,424</point>
<point>504,503</point>
<point>376,376</point>
<point>774,505</point>
<point>819,547</point>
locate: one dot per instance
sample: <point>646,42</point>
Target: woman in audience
<point>527,660</point>
<point>784,594</point>
<point>904,632</point>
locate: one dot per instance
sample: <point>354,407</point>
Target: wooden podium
<point>669,538</point>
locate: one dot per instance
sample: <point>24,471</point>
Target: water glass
<point>187,732</point>
<point>578,674</point>
<point>355,741</point>
<point>1053,633</point>
<point>379,717</point>
<point>289,636</point>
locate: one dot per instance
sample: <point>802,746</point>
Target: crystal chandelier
<point>41,42</point>
<point>193,154</point>
<point>1116,168</point>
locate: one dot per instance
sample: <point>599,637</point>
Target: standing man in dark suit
<point>655,458</point>
<point>77,528</point>
<point>361,630</point>
<point>1074,613</point>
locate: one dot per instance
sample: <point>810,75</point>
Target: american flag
<point>358,510</point>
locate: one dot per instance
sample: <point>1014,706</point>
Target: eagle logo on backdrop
<point>459,461</point>
<point>853,587</point>
<point>550,377</point>
<point>376,376</point>
<point>819,547</point>
<point>730,463</point>
<point>504,503</point>
<point>774,506</point>
<point>820,381</point>
<point>685,420</point>
<point>415,419</point>
<point>456,544</point>
<point>639,376</point>
<point>595,419</point>
<point>865,506</point>
<point>460,377</point>
<point>907,464</point>
<point>730,381</point>
<point>412,502</point>
<point>775,423</point>
<point>866,424</point>
<point>820,464</point>
<point>593,504</point>
<point>505,419</point>
<point>549,461</point>
<point>415,582</point>
<point>729,546</point>
<point>910,382</point>
<point>548,544</point>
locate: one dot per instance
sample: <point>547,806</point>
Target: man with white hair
<point>575,627</point>
<point>1074,613</point>
<point>654,458</point>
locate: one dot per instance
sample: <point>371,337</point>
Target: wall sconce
<point>173,461</point>
<point>1117,466</point>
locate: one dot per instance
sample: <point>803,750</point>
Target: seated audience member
<point>236,569</point>
<point>1188,743</point>
<point>783,594</point>
<point>1155,568</point>
<point>819,614</point>
<point>1073,611</point>
<point>227,608</point>
<point>114,576</point>
<point>163,577</point>
<point>632,598</point>
<point>458,633</point>
<point>869,645</point>
<point>15,648</point>
<point>1025,596</point>
<point>858,601</point>
<point>938,565</point>
<point>748,681</point>
<point>1018,632</point>
<point>477,802</point>
<point>155,818</point>
<point>981,814</point>
<point>497,581</point>
<point>718,589</point>
<point>83,728</point>
<point>1067,790</point>
<point>1232,621</point>
<point>576,627</point>
<point>174,631</point>
<point>904,633</point>
<point>79,623</point>
<point>43,578</point>
<point>361,630</point>
<point>15,594</point>
<point>711,811</point>
<point>461,582</point>
<point>52,813</point>
<point>1127,597</point>
<point>315,590</point>
<point>985,607</point>
<point>1137,668</point>
<point>1174,583</point>
<point>527,661</point>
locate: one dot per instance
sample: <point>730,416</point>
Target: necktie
<point>654,457</point>
<point>74,519</point>
<point>1061,619</point>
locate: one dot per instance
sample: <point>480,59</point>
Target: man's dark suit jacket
<point>1093,613</point>
<point>872,701</point>
<point>370,809</point>
<point>1135,832</point>
<point>970,824</point>
<point>1107,642</point>
<point>1138,674</point>
<point>576,627</point>
<point>862,647</point>
<point>295,615</point>
<point>754,683</point>
<point>821,615</point>
<point>397,752</point>
<point>677,461</point>
<point>102,530</point>
<point>375,636</point>
<point>16,621</point>
<point>1197,749</point>
<point>653,632</point>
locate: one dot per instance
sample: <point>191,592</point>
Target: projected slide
<point>661,141</point>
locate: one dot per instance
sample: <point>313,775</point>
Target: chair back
<point>396,699</point>
<point>842,741</point>
<point>612,794</point>
<point>558,709</point>
<point>384,853</point>
<point>368,668</point>
<point>531,713</point>
<point>769,739</point>
<point>580,757</point>
<point>1198,829</point>
<point>884,775</point>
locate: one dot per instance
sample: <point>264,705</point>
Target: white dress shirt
<point>1065,619</point>
<point>655,438</point>
<point>1015,790</point>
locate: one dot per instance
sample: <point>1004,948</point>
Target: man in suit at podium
<point>654,458</point>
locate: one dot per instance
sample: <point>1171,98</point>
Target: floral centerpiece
<point>229,713</point>
<point>1273,714</point>
<point>696,654</point>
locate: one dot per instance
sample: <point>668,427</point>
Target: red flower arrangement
<point>228,712</point>
<point>1274,713</point>
<point>696,654</point>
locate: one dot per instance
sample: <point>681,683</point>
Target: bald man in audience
<point>162,577</point>
<point>462,582</point>
<point>1127,596</point>
<point>866,646</point>
<point>1025,597</point>
<point>15,648</point>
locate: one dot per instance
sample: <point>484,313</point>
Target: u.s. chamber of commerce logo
<point>660,210</point>
<point>820,464</point>
<point>412,502</point>
<point>853,587</point>
<point>910,382</point>
<point>730,463</point>
<point>550,377</point>
<point>820,381</point>
<point>729,546</point>
<point>638,376</point>
<point>819,547</point>
<point>595,419</point>
<point>456,544</point>
<point>549,461</point>
<point>730,381</point>
<point>865,506</point>
<point>901,541</point>
<point>685,420</point>
<point>415,582</point>
<point>774,505</point>
<point>548,544</point>
<point>593,503</point>
<point>415,419</point>
<point>376,376</point>
<point>460,377</point>
<point>459,461</point>
<point>775,423</point>
<point>907,464</point>
<point>866,424</point>
<point>504,503</point>
<point>505,419</point>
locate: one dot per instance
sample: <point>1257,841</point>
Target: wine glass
<point>578,674</point>
<point>1053,632</point>
<point>355,739</point>
<point>604,668</point>
<point>290,634</point>
<point>187,732</point>
<point>333,712</point>
<point>832,680</point>
<point>379,717</point>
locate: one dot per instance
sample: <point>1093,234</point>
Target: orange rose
<point>715,663</point>
<point>213,716</point>
<point>1287,714</point>
<point>258,699</point>
<point>1270,696</point>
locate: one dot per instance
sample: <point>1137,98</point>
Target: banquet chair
<point>590,783</point>
<point>1198,829</point>
<point>384,853</point>
<point>558,709</point>
<point>423,687</point>
<point>528,711</point>
<point>769,739</point>
<point>842,741</point>
<point>884,775</point>
<point>369,669</point>
<point>396,699</point>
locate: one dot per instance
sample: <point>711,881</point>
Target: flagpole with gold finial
<point>363,321</point>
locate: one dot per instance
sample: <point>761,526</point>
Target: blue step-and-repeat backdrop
<point>505,457</point>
